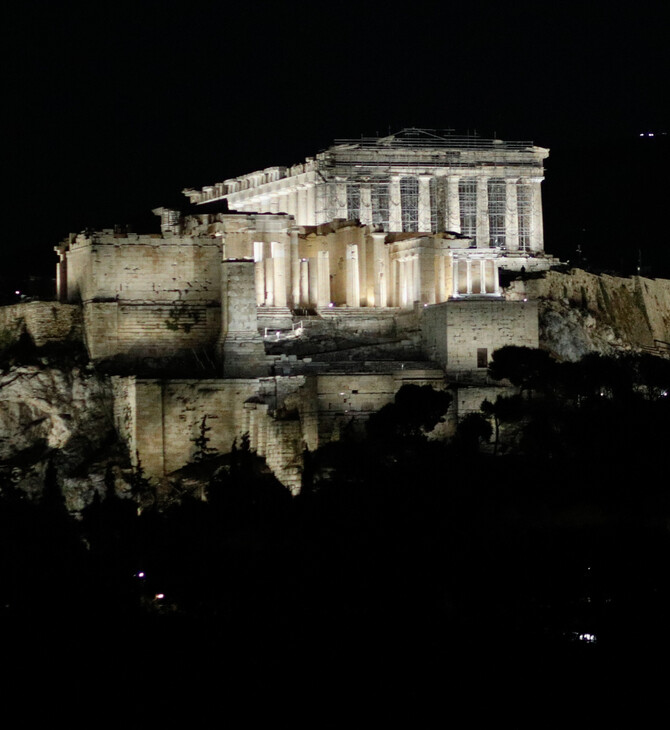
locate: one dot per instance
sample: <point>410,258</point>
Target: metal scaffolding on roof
<point>445,138</point>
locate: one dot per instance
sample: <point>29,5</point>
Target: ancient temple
<point>398,239</point>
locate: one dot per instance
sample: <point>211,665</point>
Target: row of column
<point>398,281</point>
<point>283,278</point>
<point>298,201</point>
<point>453,208</point>
<point>474,276</point>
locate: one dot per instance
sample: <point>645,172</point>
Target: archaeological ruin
<point>298,300</point>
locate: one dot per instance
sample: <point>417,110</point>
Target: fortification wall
<point>474,325</point>
<point>149,330</point>
<point>45,322</point>
<point>160,419</point>
<point>144,269</point>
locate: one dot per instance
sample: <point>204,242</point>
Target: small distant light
<point>525,300</point>
<point>664,394</point>
<point>341,393</point>
<point>588,638</point>
<point>651,134</point>
<point>642,134</point>
<point>141,574</point>
<point>160,596</point>
<point>17,292</point>
<point>425,305</point>
<point>331,304</point>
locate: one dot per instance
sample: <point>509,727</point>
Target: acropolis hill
<point>290,303</point>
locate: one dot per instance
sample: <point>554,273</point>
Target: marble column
<point>483,212</point>
<point>441,283</point>
<point>310,219</point>
<point>453,205</point>
<point>269,267</point>
<point>295,268</point>
<point>292,202</point>
<point>536,232</point>
<point>395,210</point>
<point>323,279</point>
<point>283,202</point>
<point>304,283</point>
<point>511,216</point>
<point>379,269</point>
<point>279,271</point>
<point>366,205</point>
<point>341,200</point>
<point>353,282</point>
<point>402,283</point>
<point>301,213</point>
<point>424,203</point>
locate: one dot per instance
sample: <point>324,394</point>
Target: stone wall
<point>149,330</point>
<point>159,420</point>
<point>45,322</point>
<point>454,331</point>
<point>144,269</point>
<point>146,296</point>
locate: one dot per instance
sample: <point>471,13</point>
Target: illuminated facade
<point>392,246</point>
<point>417,181</point>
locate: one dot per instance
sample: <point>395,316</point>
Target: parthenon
<point>485,193</point>
<point>389,248</point>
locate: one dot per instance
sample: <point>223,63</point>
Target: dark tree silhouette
<point>472,430</point>
<point>505,409</point>
<point>525,367</point>
<point>203,449</point>
<point>415,412</point>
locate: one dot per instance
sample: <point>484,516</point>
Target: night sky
<point>112,109</point>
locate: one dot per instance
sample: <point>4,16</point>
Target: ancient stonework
<point>289,304</point>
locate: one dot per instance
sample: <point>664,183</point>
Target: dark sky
<point>113,108</point>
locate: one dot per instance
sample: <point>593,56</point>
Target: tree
<point>203,449</point>
<point>525,367</point>
<point>473,429</point>
<point>141,488</point>
<point>415,412</point>
<point>504,410</point>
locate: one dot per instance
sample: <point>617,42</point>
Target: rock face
<point>63,415</point>
<point>569,333</point>
<point>582,312</point>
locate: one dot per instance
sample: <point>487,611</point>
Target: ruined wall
<point>149,330</point>
<point>145,269</point>
<point>469,399</point>
<point>146,295</point>
<point>453,332</point>
<point>160,419</point>
<point>45,322</point>
<point>343,399</point>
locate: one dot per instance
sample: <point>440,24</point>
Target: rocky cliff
<point>582,312</point>
<point>59,414</point>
